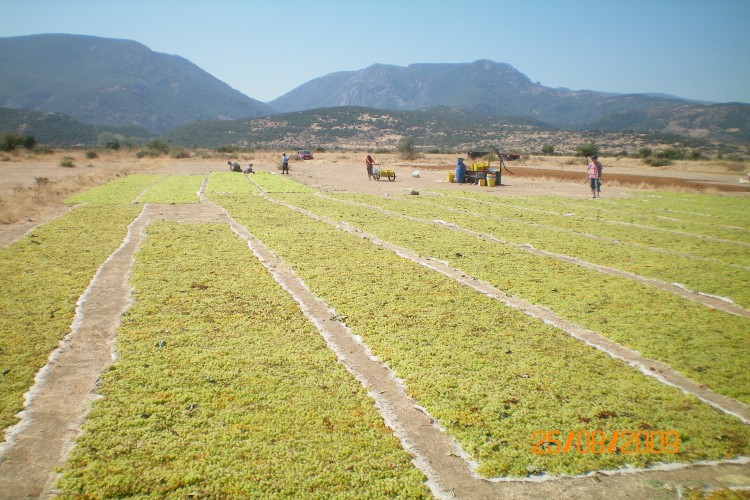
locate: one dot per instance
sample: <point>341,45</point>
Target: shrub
<point>696,154</point>
<point>158,147</point>
<point>181,154</point>
<point>656,161</point>
<point>28,141</point>
<point>407,150</point>
<point>589,149</point>
<point>645,153</point>
<point>671,154</point>
<point>9,142</point>
<point>143,153</point>
<point>67,162</point>
<point>91,155</point>
<point>548,150</point>
<point>154,149</point>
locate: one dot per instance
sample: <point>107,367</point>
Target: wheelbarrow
<point>377,173</point>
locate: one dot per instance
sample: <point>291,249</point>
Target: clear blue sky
<point>698,49</point>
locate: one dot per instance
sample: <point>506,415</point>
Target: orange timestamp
<point>598,442</point>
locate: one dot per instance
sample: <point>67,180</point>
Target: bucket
<point>451,176</point>
<point>491,180</point>
<point>482,182</point>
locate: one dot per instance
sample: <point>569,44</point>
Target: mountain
<point>464,86</point>
<point>113,82</point>
<point>107,82</point>
<point>498,89</point>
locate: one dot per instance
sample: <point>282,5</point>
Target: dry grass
<point>28,202</point>
<point>632,181</point>
<point>446,160</point>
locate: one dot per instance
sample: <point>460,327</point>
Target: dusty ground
<point>24,203</point>
<point>28,202</point>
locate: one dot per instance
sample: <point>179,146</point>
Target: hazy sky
<point>698,49</point>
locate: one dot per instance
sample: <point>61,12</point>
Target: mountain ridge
<point>498,89</point>
<point>104,81</point>
<point>112,82</point>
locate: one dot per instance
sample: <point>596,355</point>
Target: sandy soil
<point>345,172</point>
<point>26,469</point>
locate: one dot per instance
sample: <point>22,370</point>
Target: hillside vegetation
<point>437,129</point>
<point>59,130</point>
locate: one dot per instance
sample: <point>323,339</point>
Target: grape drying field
<point>539,337</point>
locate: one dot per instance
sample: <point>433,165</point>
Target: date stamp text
<point>551,442</point>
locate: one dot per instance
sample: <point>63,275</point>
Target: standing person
<point>369,162</point>
<point>284,164</point>
<point>595,177</point>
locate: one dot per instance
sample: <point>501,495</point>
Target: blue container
<point>460,171</point>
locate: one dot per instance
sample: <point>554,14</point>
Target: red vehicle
<point>304,154</point>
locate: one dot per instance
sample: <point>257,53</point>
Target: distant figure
<point>369,162</point>
<point>234,166</point>
<point>595,177</point>
<point>248,169</point>
<point>284,164</point>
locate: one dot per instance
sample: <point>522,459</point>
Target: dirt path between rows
<point>702,298</point>
<point>65,389</point>
<point>649,367</point>
<point>57,405</point>
<point>445,464</point>
<point>61,398</point>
